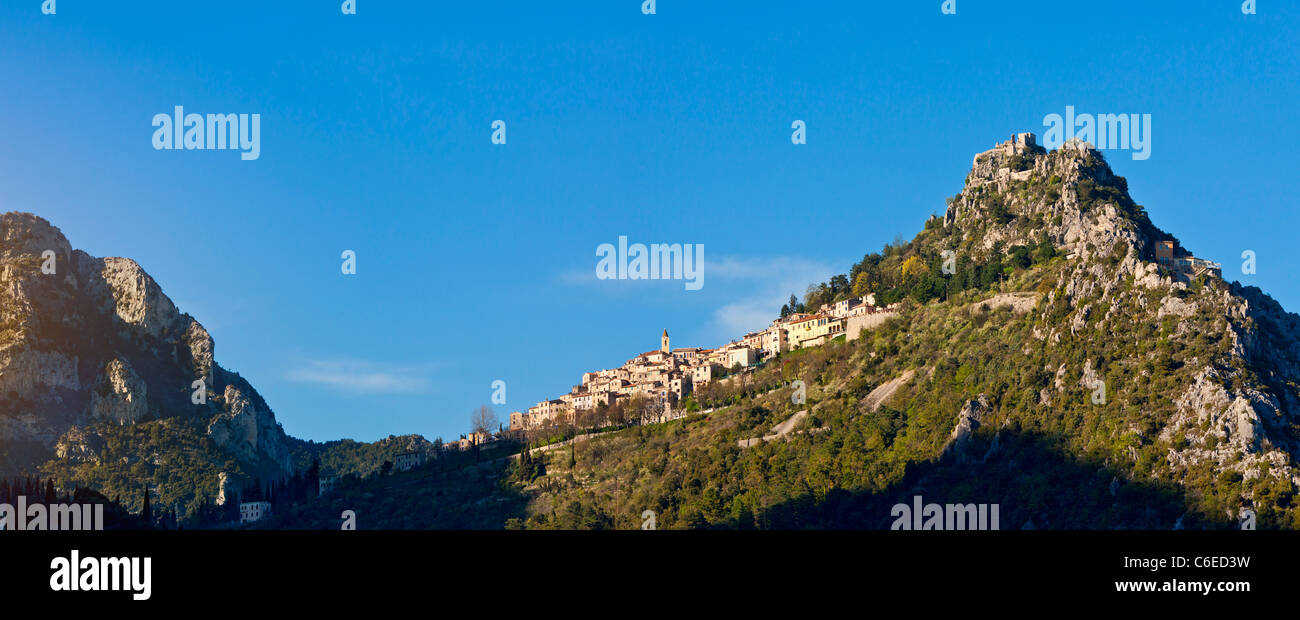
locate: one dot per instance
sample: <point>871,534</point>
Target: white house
<point>744,356</point>
<point>775,341</point>
<point>325,484</point>
<point>406,460</point>
<point>252,512</point>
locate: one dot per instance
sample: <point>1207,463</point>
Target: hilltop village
<point>669,383</point>
<point>660,381</point>
<point>666,376</point>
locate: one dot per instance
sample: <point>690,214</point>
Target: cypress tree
<point>146,514</point>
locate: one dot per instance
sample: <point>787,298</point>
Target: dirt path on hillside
<point>780,430</point>
<point>884,391</point>
<point>788,424</point>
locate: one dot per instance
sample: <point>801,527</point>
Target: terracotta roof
<point>809,318</point>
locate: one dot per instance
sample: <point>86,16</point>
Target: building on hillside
<point>516,421</point>
<point>742,356</point>
<point>608,399</point>
<point>775,341</point>
<point>702,375</point>
<point>547,411</point>
<point>796,316</point>
<point>835,329</point>
<point>865,305</point>
<point>616,386</point>
<point>720,356</point>
<point>325,484</point>
<point>1188,266</point>
<point>1192,267</point>
<point>1020,143</point>
<point>252,512</point>
<point>663,344</point>
<point>1164,252</point>
<point>407,460</point>
<point>851,306</point>
<point>680,386</point>
<point>814,330</point>
<point>649,390</point>
<point>687,354</point>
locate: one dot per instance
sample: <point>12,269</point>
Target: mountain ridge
<point>1128,370</point>
<point>90,343</point>
<point>1038,320</point>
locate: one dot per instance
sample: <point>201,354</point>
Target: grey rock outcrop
<point>98,341</point>
<point>248,429</point>
<point>121,396</point>
<point>1234,405</point>
<point>969,419</point>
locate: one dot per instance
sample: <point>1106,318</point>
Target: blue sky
<point>476,261</point>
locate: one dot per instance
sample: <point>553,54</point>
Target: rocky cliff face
<point>87,341</point>
<point>1216,363</point>
<point>1069,195</point>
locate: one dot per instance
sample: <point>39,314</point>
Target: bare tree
<point>483,420</point>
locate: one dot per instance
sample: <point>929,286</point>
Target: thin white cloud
<point>753,288</point>
<point>771,280</point>
<point>360,376</point>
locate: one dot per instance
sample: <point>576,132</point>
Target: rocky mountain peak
<point>1019,193</point>
<point>25,233</point>
<point>86,341</point>
<point>1236,403</point>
